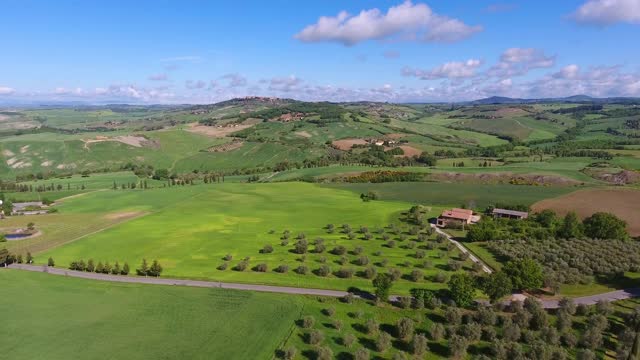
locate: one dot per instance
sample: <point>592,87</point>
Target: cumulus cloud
<point>598,81</point>
<point>285,84</point>
<point>407,21</point>
<point>450,70</point>
<point>519,61</point>
<point>159,77</point>
<point>235,80</point>
<point>5,90</point>
<point>607,12</point>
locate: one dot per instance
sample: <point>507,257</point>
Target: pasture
<point>55,317</point>
<point>446,194</point>
<point>190,230</point>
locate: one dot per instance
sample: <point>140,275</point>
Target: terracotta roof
<point>462,214</point>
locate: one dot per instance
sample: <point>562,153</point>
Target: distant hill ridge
<point>498,100</point>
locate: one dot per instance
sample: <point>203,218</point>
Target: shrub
<point>228,257</point>
<point>436,333</point>
<point>405,328</point>
<point>362,354</point>
<point>362,260</point>
<point>337,324</point>
<point>383,343</point>
<point>91,267</point>
<point>370,272</point>
<point>267,249</point>
<point>358,250</point>
<point>339,250</point>
<point>155,269</point>
<point>405,302</point>
<point>391,244</point>
<point>420,254</point>
<point>395,274</point>
<point>348,299</point>
<point>241,266</point>
<point>308,322</point>
<point>50,262</point>
<point>440,277</point>
<point>344,273</point>
<point>348,340</point>
<point>261,267</point>
<point>324,353</point>
<point>371,326</point>
<point>125,269</point>
<point>302,270</point>
<point>283,268</point>
<point>315,337</point>
<point>419,344</point>
<point>223,266</point>
<point>301,246</point>
<point>416,275</point>
<point>116,270</point>
<point>454,265</point>
<point>323,270</point>
<point>329,311</point>
<point>290,353</point>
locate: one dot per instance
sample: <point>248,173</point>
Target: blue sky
<point>207,51</point>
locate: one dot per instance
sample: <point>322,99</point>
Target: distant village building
<point>457,217</point>
<point>510,214</point>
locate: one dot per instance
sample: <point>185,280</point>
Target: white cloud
<point>450,70</point>
<point>607,12</point>
<point>159,77</point>
<point>5,90</point>
<point>519,61</point>
<point>406,21</point>
<point>285,84</point>
<point>235,80</point>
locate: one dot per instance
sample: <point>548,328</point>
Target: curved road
<point>547,304</point>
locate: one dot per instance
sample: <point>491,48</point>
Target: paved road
<point>591,300</point>
<point>547,304</point>
<point>463,249</point>
<point>179,282</point>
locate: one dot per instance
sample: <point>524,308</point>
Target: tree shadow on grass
<point>367,343</point>
<point>439,349</point>
<point>436,318</point>
<point>310,354</point>
<point>343,355</point>
<point>359,328</point>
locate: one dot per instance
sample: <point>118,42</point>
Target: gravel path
<point>547,304</point>
<point>463,249</point>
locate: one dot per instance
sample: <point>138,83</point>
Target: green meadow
<point>55,317</point>
<point>189,230</point>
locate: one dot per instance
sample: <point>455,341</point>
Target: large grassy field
<point>54,317</point>
<point>189,230</point>
<point>446,194</point>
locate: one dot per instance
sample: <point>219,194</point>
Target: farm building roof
<point>521,214</point>
<point>462,214</point>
